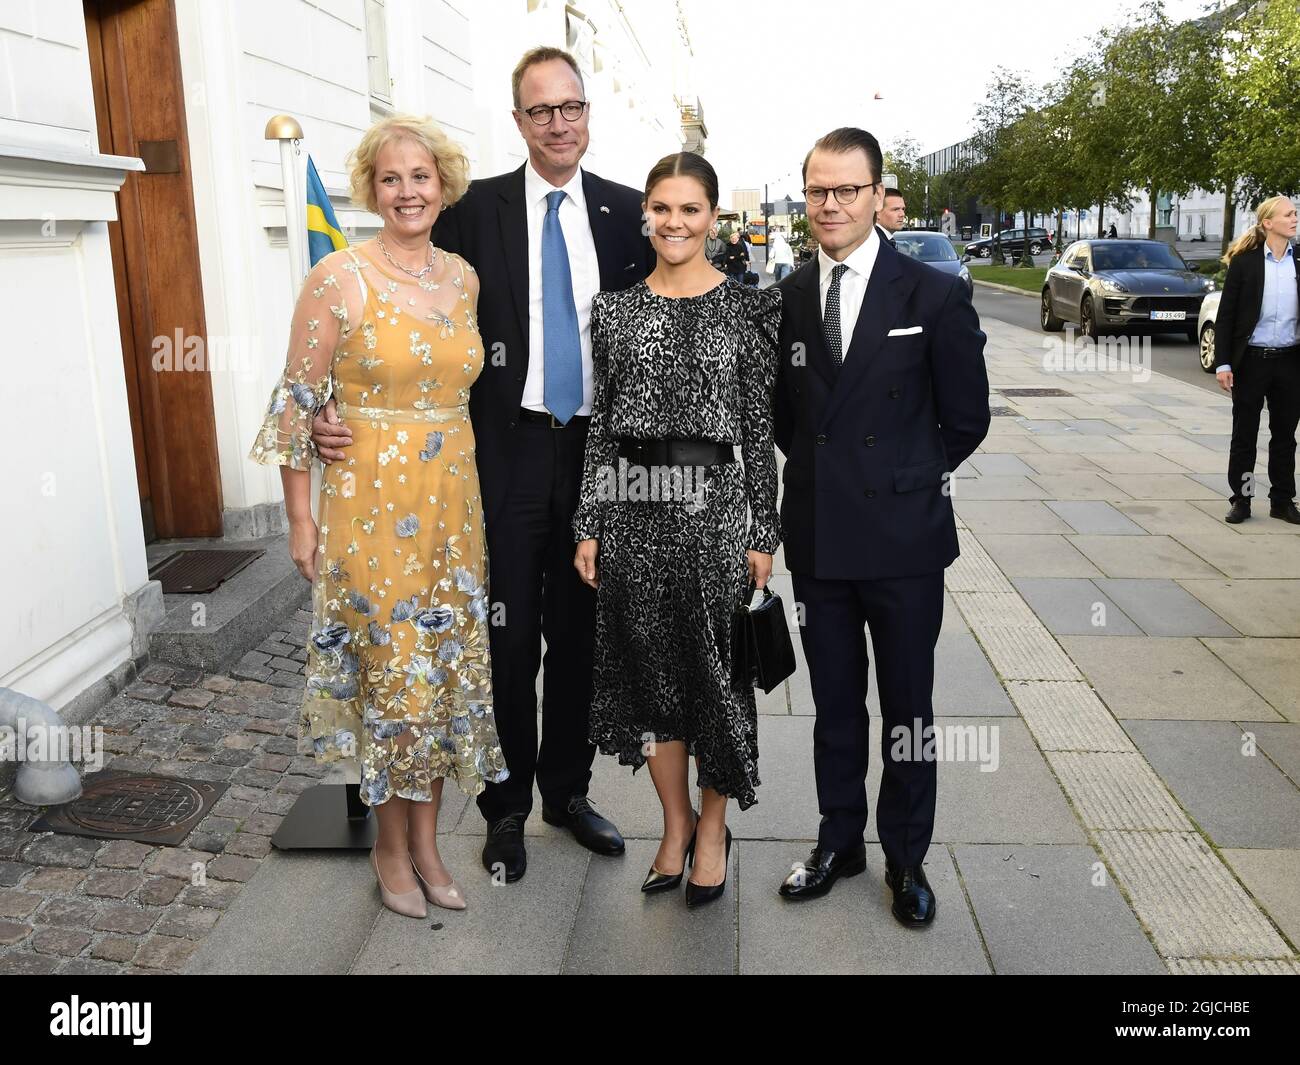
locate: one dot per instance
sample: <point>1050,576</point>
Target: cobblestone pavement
<point>75,905</point>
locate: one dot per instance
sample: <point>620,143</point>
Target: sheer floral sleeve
<point>320,323</point>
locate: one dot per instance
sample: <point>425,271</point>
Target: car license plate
<point>1169,316</point>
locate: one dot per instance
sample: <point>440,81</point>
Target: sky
<point>929,61</point>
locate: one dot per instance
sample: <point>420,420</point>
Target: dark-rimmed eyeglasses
<point>543,113</point>
<point>845,194</point>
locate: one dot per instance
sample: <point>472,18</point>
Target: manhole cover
<point>1034,392</point>
<point>1004,412</point>
<point>197,571</point>
<point>148,809</point>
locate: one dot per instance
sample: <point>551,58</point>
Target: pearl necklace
<point>417,274</point>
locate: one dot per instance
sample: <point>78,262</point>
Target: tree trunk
<point>998,256</point>
<point>1101,218</point>
<point>1151,221</point>
<point>1229,221</point>
<point>1025,258</point>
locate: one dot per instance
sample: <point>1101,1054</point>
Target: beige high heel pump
<point>448,896</point>
<point>407,903</point>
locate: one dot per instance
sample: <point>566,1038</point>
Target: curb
<point>1005,288</point>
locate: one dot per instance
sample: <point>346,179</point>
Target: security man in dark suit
<point>543,239</point>
<point>1257,349</point>
<point>882,393</point>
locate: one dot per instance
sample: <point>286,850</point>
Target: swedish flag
<point>323,233</point>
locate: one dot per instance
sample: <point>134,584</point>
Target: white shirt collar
<point>860,262</point>
<point>536,187</point>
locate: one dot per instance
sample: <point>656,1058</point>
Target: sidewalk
<point>1134,658</point>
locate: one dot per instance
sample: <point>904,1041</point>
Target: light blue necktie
<point>561,344</point>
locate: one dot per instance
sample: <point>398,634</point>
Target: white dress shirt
<point>853,283</point>
<point>584,270</point>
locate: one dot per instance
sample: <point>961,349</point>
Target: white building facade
<point>142,221</point>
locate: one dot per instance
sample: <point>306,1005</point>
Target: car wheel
<point>1046,317</point>
<point>985,253</point>
<point>1207,348</point>
<point>1087,319</point>
<point>1035,248</point>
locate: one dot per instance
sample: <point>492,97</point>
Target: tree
<point>1085,132</point>
<point>1160,82</point>
<point>1007,98</point>
<point>1258,147</point>
<point>903,160</point>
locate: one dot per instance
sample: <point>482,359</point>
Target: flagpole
<point>286,130</point>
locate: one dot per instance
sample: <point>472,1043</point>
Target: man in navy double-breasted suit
<point>882,393</point>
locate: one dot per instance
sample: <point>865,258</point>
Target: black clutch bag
<point>762,654</point>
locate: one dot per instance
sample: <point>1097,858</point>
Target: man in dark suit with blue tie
<point>882,393</point>
<point>544,239</point>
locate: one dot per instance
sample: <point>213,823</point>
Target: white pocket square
<point>905,332</point>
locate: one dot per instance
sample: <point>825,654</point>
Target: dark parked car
<point>933,249</point>
<point>1135,285</point>
<point>1012,241</point>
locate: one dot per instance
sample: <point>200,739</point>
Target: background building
<point>143,255</point>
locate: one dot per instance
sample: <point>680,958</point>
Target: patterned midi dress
<point>398,671</point>
<point>673,568</point>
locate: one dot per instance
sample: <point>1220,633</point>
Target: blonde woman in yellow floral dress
<point>398,670</point>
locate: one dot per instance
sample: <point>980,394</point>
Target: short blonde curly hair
<point>447,155</point>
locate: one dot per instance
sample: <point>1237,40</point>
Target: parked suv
<point>1012,242</point>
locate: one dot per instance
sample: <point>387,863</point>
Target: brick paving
<point>85,906</point>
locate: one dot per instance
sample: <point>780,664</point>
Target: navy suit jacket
<point>870,447</point>
<point>489,227</point>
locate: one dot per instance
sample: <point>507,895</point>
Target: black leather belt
<point>546,418</point>
<point>675,452</point>
<point>1273,353</point>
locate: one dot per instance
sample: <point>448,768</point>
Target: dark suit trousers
<point>904,615</point>
<point>1277,381</point>
<point>531,575</point>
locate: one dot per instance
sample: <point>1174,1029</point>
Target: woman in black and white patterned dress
<point>685,364</point>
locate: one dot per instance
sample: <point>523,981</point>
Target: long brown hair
<point>1254,237</point>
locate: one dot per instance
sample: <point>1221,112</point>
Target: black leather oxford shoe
<point>1285,511</point>
<point>588,827</point>
<point>503,850</point>
<point>818,874</point>
<point>914,903</point>
<point>1238,512</point>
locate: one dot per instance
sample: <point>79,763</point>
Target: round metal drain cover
<point>135,804</point>
<point>151,809</point>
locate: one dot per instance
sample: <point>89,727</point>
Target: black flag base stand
<point>327,817</point>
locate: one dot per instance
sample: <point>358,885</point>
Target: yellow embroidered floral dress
<point>398,669</point>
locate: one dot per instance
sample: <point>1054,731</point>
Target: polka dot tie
<point>831,317</point>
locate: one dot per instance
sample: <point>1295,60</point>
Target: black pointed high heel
<point>657,881</point>
<point>698,894</point>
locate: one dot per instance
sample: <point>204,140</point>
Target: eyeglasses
<point>843,193</point>
<point>542,114</point>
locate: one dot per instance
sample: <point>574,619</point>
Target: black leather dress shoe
<point>1238,512</point>
<point>914,903</point>
<point>1285,511</point>
<point>503,850</point>
<point>588,827</point>
<point>819,873</point>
